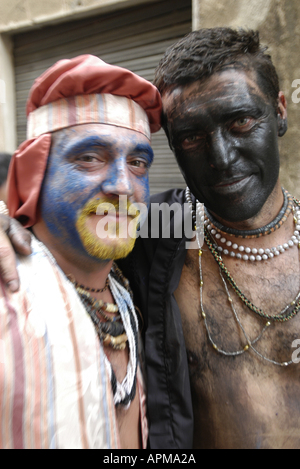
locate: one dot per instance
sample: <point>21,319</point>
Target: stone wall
<point>20,15</point>
<point>23,14</point>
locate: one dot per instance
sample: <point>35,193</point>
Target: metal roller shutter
<point>134,38</point>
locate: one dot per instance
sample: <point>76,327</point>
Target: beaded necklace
<point>88,289</point>
<point>253,254</point>
<point>124,392</point>
<point>112,331</point>
<point>116,331</point>
<point>286,314</point>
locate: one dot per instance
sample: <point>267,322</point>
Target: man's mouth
<point>232,185</point>
<point>102,207</point>
<point>115,215</point>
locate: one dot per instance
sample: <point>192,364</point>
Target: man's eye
<point>241,122</point>
<point>191,141</point>
<point>139,167</point>
<point>192,138</point>
<point>87,158</point>
<point>138,164</point>
<point>89,162</point>
<point>244,123</point>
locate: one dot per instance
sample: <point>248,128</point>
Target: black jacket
<point>154,269</point>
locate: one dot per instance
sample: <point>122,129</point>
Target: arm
<point>13,237</point>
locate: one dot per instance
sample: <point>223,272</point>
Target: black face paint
<point>224,133</point>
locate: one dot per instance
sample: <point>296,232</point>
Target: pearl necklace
<point>197,218</point>
<point>254,254</point>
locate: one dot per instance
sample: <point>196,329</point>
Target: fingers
<point>8,269</point>
<point>4,222</point>
<point>12,236</point>
<point>20,237</point>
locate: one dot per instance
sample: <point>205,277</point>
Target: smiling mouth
<point>232,185</point>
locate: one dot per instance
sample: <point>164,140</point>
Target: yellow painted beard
<point>113,247</point>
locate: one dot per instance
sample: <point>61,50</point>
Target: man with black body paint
<point>223,113</point>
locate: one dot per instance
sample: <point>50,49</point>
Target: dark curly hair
<point>204,52</point>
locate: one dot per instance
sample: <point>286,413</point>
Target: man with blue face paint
<point>70,371</point>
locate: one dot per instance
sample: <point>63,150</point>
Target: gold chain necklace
<point>198,217</point>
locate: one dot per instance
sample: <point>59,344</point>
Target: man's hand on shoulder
<point>13,239</point>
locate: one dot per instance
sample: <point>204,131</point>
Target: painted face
<point>89,165</point>
<point>224,133</point>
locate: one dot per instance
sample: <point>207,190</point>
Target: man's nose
<point>118,180</point>
<point>222,151</point>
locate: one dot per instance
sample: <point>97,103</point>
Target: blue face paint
<point>88,162</point>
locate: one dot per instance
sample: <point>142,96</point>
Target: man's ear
<point>282,114</point>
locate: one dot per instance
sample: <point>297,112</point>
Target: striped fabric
<point>86,109</point>
<point>54,385</point>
